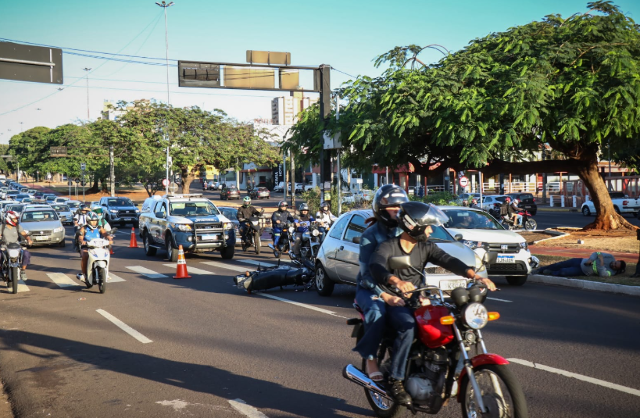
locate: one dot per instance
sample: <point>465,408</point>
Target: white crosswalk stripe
<point>225,266</point>
<point>146,272</point>
<point>191,270</point>
<point>259,263</point>
<point>114,279</point>
<point>62,280</point>
<point>22,287</point>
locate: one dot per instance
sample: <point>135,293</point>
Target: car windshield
<point>470,219</point>
<point>193,209</point>
<point>15,208</point>
<point>119,202</point>
<point>39,216</point>
<point>61,208</point>
<point>73,204</point>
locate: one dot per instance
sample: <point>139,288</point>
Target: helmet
<point>386,196</point>
<point>507,199</point>
<point>282,205</point>
<point>92,217</point>
<point>246,200</point>
<point>324,205</point>
<point>11,218</point>
<point>303,206</point>
<point>415,217</point>
<point>84,208</point>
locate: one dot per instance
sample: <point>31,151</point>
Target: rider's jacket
<point>81,219</point>
<point>282,216</point>
<point>304,221</point>
<point>246,212</point>
<point>371,238</point>
<point>422,253</point>
<point>326,218</point>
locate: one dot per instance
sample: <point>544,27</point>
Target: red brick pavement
<point>580,253</point>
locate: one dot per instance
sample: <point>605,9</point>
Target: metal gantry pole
<point>338,162</point>
<point>87,70</point>
<point>164,5</point>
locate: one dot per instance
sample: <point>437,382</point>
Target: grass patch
<point>624,278</point>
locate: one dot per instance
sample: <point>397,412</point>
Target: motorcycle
<point>281,238</point>
<point>12,264</point>
<point>310,245</point>
<point>448,358</point>
<point>276,276</point>
<point>98,263</point>
<point>528,223</point>
<point>255,225</point>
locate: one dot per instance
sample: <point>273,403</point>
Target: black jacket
<point>245,212</point>
<point>282,216</point>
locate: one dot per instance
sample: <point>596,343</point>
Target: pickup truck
<point>120,210</point>
<point>621,203</point>
<point>189,220</point>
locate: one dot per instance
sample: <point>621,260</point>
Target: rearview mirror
<point>159,214</point>
<point>458,237</point>
<point>356,240</point>
<point>400,262</point>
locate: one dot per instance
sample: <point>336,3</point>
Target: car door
<point>156,223</point>
<point>348,253</point>
<point>331,244</point>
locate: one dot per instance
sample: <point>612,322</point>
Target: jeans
<point>519,220</point>
<point>375,318</point>
<point>566,268</point>
<point>402,320</point>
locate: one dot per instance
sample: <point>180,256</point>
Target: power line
<point>352,76</point>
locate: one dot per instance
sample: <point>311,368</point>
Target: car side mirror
<point>458,237</point>
<point>400,262</point>
<point>159,214</point>
<point>356,240</point>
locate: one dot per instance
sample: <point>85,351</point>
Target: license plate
<point>42,238</point>
<point>209,237</point>
<point>506,259</point>
<point>452,284</point>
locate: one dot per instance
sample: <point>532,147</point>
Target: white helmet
<point>516,201</point>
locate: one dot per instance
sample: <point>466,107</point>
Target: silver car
<point>43,224</point>
<point>337,260</point>
<point>64,212</point>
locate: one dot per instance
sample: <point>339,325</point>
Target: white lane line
<point>126,328</point>
<point>192,270</point>
<point>258,263</point>
<point>225,266</point>
<point>587,379</point>
<point>246,410</point>
<point>500,300</point>
<point>22,287</point>
<point>302,305</point>
<point>146,272</point>
<point>113,278</point>
<point>61,280</point>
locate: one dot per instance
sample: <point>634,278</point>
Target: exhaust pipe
<point>353,374</point>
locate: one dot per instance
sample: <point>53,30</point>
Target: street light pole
<point>87,70</point>
<point>166,40</point>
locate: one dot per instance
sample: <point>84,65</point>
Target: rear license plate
<point>41,238</point>
<point>506,259</point>
<point>452,284</point>
<point>209,237</point>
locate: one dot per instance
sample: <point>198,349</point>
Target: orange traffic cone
<point>134,242</point>
<point>181,268</point>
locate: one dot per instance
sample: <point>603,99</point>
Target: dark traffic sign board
<point>30,63</point>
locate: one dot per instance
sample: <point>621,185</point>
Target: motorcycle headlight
<point>14,253</point>
<point>524,246</point>
<point>58,229</point>
<point>315,233</point>
<point>228,225</point>
<point>475,316</point>
<point>471,244</point>
<point>183,227</point>
<point>101,263</point>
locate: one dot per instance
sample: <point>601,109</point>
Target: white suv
<point>508,252</point>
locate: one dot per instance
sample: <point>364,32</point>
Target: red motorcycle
<point>528,223</point>
<point>440,365</point>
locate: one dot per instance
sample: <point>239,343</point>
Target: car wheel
<point>617,210</point>
<point>62,243</point>
<point>227,252</point>
<point>517,280</point>
<point>172,253</point>
<point>586,211</point>
<point>324,284</point>
<point>148,249</point>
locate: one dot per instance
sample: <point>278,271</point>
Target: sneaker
<point>23,275</point>
<point>399,394</point>
<point>80,277</point>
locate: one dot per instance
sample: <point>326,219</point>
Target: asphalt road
<point>548,219</point>
<point>207,349</point>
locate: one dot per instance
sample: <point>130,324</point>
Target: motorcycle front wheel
<point>102,280</point>
<point>15,276</point>
<point>530,225</point>
<point>256,241</point>
<point>500,392</point>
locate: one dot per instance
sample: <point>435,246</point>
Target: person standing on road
<point>303,220</point>
<point>279,220</point>
<point>12,232</point>
<point>245,212</point>
<point>598,264</point>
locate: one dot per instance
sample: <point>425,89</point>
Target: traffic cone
<point>134,242</point>
<point>181,268</point>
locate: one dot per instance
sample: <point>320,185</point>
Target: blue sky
<point>346,34</point>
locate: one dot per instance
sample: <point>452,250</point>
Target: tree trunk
<point>94,188</point>
<point>188,176</point>
<point>606,217</point>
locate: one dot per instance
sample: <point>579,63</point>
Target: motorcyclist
<point>370,297</point>
<point>302,221</point>
<point>415,219</point>
<point>79,220</point>
<point>325,218</point>
<point>279,219</point>
<point>245,212</point>
<point>88,232</point>
<point>12,231</point>
<point>474,203</point>
<point>516,217</point>
<point>102,223</point>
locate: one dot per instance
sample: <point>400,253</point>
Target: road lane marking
<point>587,379</point>
<point>126,328</point>
<point>61,279</point>
<point>500,300</point>
<point>193,270</point>
<point>246,410</point>
<point>225,266</point>
<point>258,263</point>
<point>113,278</point>
<point>146,272</point>
<point>302,305</point>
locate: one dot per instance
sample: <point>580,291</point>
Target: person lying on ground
<point>598,264</point>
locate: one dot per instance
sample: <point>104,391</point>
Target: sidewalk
<point>579,253</point>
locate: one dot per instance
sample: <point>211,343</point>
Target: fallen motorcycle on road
<point>276,276</point>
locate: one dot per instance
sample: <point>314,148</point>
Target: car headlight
<point>471,244</point>
<point>228,225</point>
<point>182,227</point>
<point>137,210</point>
<point>524,246</point>
<point>475,316</point>
<point>113,210</point>
<point>58,229</point>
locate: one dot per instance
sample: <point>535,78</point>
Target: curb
<point>585,284</point>
<point>544,209</point>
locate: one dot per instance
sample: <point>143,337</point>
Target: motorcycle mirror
<point>400,262</point>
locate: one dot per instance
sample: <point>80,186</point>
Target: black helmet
<point>387,195</point>
<point>415,217</point>
<point>303,206</point>
<point>324,205</point>
<point>282,204</point>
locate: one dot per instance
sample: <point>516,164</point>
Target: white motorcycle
<point>98,263</point>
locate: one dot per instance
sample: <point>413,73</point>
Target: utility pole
<point>166,41</point>
<point>87,70</point>
<point>338,161</point>
<point>284,171</point>
<point>293,181</point>
<point>112,177</point>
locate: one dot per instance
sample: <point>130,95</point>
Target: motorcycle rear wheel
<point>382,407</point>
<point>15,276</point>
<point>501,394</point>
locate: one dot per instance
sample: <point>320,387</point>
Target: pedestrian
<point>421,192</point>
<point>598,264</point>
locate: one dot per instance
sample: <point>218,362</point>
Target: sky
<point>346,34</point>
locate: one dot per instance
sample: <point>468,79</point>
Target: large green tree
<point>572,83</point>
